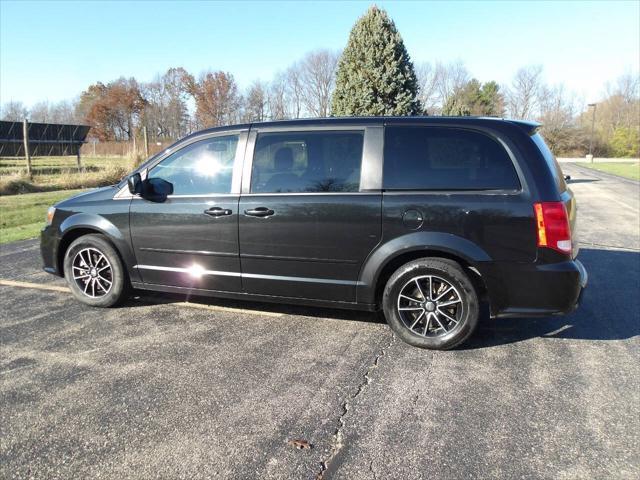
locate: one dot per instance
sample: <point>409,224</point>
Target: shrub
<point>625,142</point>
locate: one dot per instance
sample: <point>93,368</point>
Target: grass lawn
<point>22,216</point>
<point>627,170</point>
<point>60,173</point>
<point>54,165</point>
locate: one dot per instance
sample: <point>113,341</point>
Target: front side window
<point>320,161</point>
<point>202,168</point>
<point>436,158</point>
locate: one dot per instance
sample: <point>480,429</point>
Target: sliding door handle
<point>259,212</point>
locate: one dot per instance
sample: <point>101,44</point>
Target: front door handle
<point>259,212</point>
<point>218,212</point>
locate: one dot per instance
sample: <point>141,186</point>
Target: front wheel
<point>94,272</point>
<point>431,303</point>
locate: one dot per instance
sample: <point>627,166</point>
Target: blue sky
<point>53,50</point>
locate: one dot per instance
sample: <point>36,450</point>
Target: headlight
<point>50,213</point>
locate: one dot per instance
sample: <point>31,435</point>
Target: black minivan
<point>423,217</point>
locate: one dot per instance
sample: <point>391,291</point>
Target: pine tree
<point>375,74</point>
<point>474,98</point>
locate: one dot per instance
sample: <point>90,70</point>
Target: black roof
<point>528,126</point>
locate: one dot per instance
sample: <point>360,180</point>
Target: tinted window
<point>307,162</point>
<point>204,167</point>
<point>432,158</point>
<point>553,164</point>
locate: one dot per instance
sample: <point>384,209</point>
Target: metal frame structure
<point>44,139</point>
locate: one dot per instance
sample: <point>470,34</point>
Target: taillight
<point>552,225</point>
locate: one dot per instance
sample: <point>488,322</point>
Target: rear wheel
<point>431,303</point>
<point>94,272</point>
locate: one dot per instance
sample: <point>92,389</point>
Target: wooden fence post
<point>78,158</point>
<point>27,155</point>
<point>146,142</point>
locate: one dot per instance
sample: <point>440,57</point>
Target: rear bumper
<point>535,289</point>
<point>584,279</point>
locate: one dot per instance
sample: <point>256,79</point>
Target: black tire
<point>105,294</point>
<point>440,271</point>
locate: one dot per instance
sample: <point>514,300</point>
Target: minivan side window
<point>551,160</point>
<point>314,161</point>
<point>202,168</point>
<point>439,158</point>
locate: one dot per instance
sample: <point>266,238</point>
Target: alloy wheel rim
<point>92,272</point>
<point>430,306</point>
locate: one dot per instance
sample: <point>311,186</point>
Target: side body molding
<point>118,235</point>
<point>412,242</point>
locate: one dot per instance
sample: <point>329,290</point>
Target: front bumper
<point>49,242</point>
<point>536,289</point>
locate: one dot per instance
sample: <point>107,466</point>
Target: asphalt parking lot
<point>216,389</point>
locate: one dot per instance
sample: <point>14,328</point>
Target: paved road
<point>159,389</point>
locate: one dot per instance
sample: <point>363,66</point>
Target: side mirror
<point>567,178</point>
<point>156,189</point>
<point>159,187</point>
<point>134,183</point>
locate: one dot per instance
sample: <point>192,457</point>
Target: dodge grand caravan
<point>424,218</point>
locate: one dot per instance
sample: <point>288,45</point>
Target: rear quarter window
<point>438,158</point>
<point>552,163</point>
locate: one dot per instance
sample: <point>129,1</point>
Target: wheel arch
<point>79,225</point>
<point>390,256</point>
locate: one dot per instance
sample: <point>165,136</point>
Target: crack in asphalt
<point>337,443</point>
<point>373,472</point>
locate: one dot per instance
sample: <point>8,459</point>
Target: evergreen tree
<point>492,100</point>
<point>474,98</point>
<point>375,74</point>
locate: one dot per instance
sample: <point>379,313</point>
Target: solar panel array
<point>45,139</point>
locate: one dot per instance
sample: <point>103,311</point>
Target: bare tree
<point>627,86</point>
<point>60,112</point>
<point>256,103</point>
<point>277,98</point>
<point>166,115</point>
<point>427,85</point>
<point>154,116</point>
<point>523,95</point>
<point>450,78</point>
<point>14,111</point>
<point>617,117</point>
<point>558,118</point>
<point>621,108</point>
<point>295,90</point>
<point>64,112</point>
<point>439,82</point>
<point>317,76</point>
<point>40,112</point>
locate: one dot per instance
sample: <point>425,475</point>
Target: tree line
<point>374,75</point>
